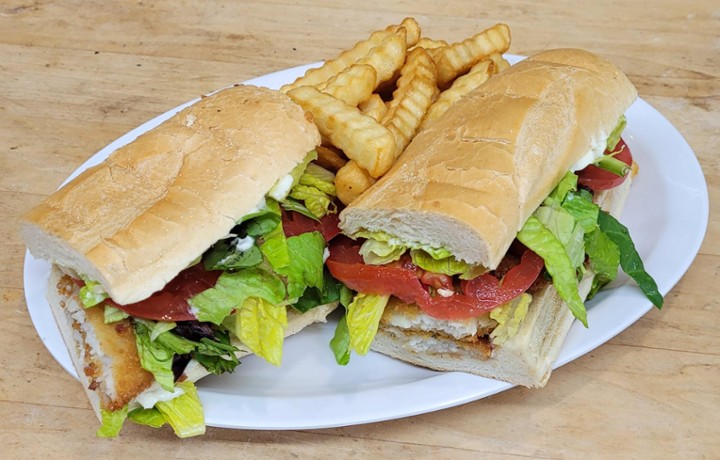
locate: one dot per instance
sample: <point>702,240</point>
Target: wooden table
<point>74,75</point>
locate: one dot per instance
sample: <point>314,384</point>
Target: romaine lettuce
<point>154,357</point>
<point>306,265</point>
<point>376,252</point>
<point>111,422</point>
<point>340,343</point>
<point>363,317</point>
<point>216,303</point>
<point>184,413</point>
<point>148,417</point>
<point>447,265</point>
<point>543,242</point>
<point>92,293</point>
<point>261,325</point>
<point>630,260</point>
<point>509,316</point>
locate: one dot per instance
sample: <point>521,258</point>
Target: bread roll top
<point>136,220</point>
<point>471,179</point>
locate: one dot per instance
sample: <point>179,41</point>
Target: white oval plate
<point>667,214</point>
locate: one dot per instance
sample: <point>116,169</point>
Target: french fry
<point>353,85</point>
<point>416,91</point>
<point>430,44</point>
<point>332,67</point>
<point>387,57</point>
<point>500,63</point>
<point>478,75</point>
<point>329,158</point>
<point>459,57</point>
<point>412,28</point>
<point>351,181</point>
<point>362,139</point>
<point>373,107</point>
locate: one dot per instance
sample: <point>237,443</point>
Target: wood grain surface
<point>75,75</point>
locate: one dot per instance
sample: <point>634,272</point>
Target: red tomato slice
<point>598,179</point>
<point>402,280</point>
<point>295,224</point>
<point>171,304</point>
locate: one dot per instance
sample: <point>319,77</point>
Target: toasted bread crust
<point>135,221</point>
<point>472,178</point>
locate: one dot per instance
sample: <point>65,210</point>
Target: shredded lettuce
<point>113,315</point>
<point>184,413</point>
<point>154,356</point>
<point>363,318</point>
<point>226,255</point>
<point>92,293</point>
<point>216,303</point>
<point>306,266</point>
<point>562,224</point>
<point>313,296</point>
<point>340,343</point>
<point>376,252</point>
<point>436,253</point>
<point>447,265</point>
<point>543,242</point>
<point>310,184</point>
<point>320,178</point>
<point>293,205</point>
<point>509,316</point>
<point>604,259</point>
<point>148,417</point>
<point>261,325</point>
<point>316,201</point>
<point>217,356</point>
<point>111,422</point>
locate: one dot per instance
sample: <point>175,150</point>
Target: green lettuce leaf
<point>282,187</point>
<point>363,317</point>
<point>318,202</point>
<point>582,209</point>
<point>509,316</point>
<point>261,325</point>
<point>604,259</point>
<point>565,229</point>
<point>225,255</point>
<point>376,252</point>
<point>148,417</point>
<point>217,356</point>
<point>629,258</point>
<point>275,249</point>
<point>315,188</point>
<point>111,422</point>
<point>216,303</point>
<point>340,343</point>
<point>293,205</point>
<point>314,296</point>
<point>395,242</point>
<point>154,357</point>
<point>184,413</point>
<point>566,184</point>
<point>92,293</point>
<point>320,178</point>
<point>543,242</point>
<point>447,265</point>
<point>614,136</point>
<point>113,315</point>
<point>300,169</point>
<point>306,266</point>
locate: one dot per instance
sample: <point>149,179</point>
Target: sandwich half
<point>479,247</point>
<point>201,241</point>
